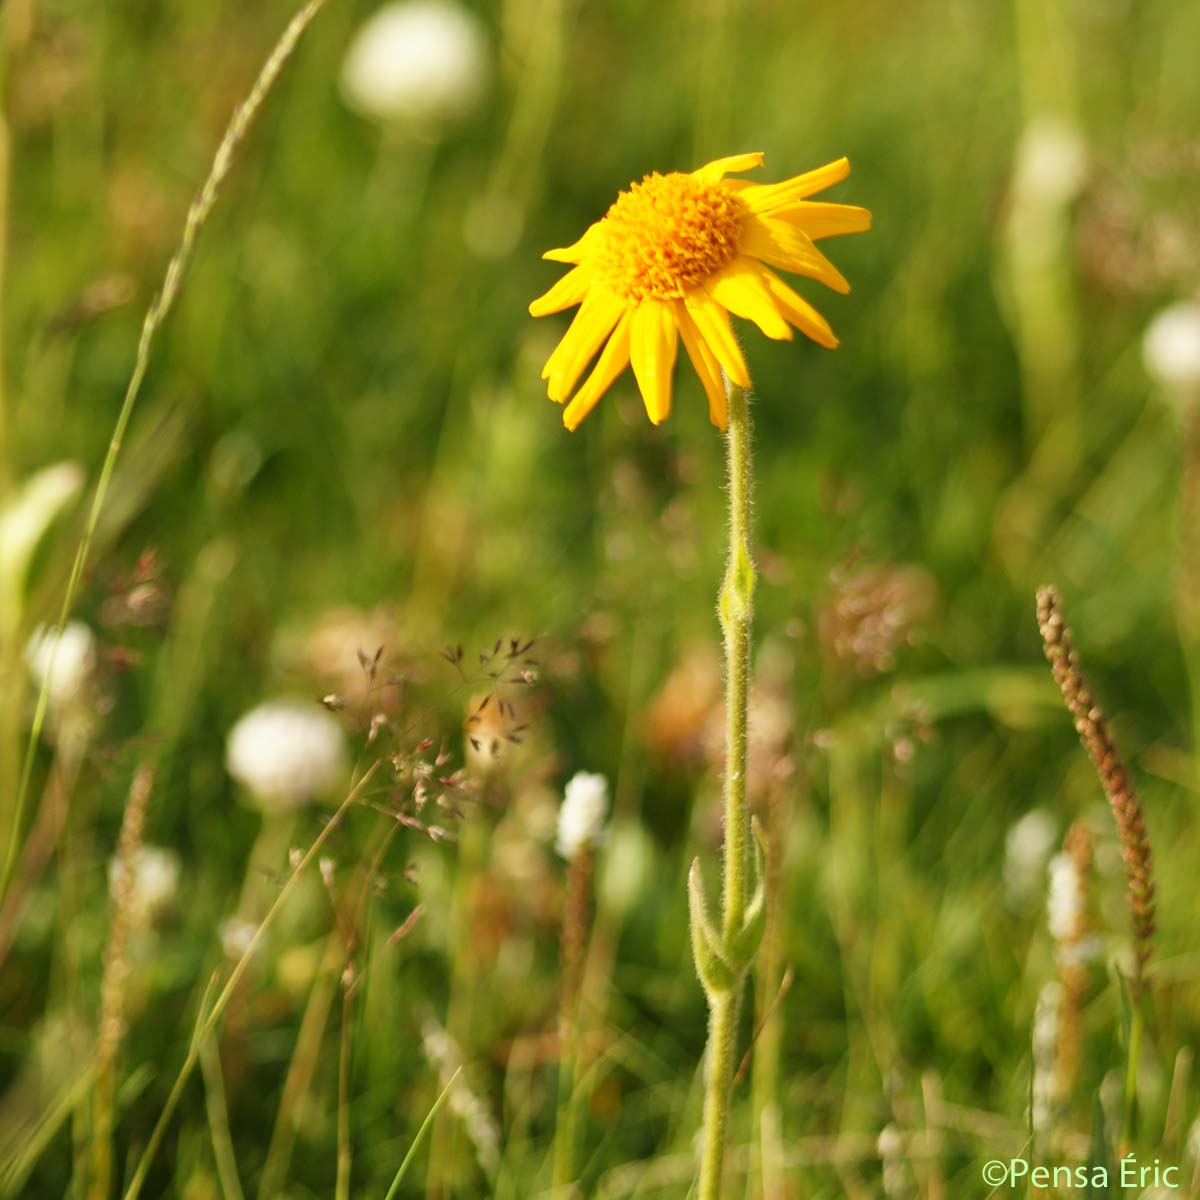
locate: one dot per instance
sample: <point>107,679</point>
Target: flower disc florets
<point>666,234</point>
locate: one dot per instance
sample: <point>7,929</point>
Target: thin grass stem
<point>402,1170</point>
<point>160,307</point>
<point>206,1024</point>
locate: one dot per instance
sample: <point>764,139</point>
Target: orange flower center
<point>665,235</point>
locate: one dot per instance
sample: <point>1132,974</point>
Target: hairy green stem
<point>722,1047</point>
<point>737,613</point>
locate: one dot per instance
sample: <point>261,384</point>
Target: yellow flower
<point>672,258</point>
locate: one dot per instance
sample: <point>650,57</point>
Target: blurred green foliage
<point>345,409</point>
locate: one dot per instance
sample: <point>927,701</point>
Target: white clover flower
<point>581,817</point>
<point>1064,904</point>
<point>1027,848</point>
<point>1171,346</point>
<point>154,878</point>
<point>236,934</point>
<point>64,664</point>
<point>285,754</point>
<point>422,62</point>
<point>1051,161</point>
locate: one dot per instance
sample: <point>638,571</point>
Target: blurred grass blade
<point>15,1171</point>
<point>23,523</point>
<point>198,213</point>
<point>416,1142</point>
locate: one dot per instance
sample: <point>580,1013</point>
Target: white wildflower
<point>285,754</point>
<point>1051,162</point>
<point>64,664</point>
<point>418,63</point>
<point>890,1148</point>
<point>1065,902</point>
<point>236,934</point>
<point>1027,848</point>
<point>1171,346</point>
<point>1045,1057</point>
<point>470,1107</point>
<point>583,812</point>
<point>154,880</point>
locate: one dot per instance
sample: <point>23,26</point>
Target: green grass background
<point>345,409</point>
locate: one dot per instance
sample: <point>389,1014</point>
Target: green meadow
<point>334,962</point>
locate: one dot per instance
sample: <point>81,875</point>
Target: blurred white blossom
<point>1051,162</point>
<point>422,63</point>
<point>236,934</point>
<point>285,754</point>
<point>1045,1057</point>
<point>1027,848</point>
<point>64,664</point>
<point>1171,346</point>
<point>1065,902</point>
<point>154,879</point>
<point>583,812</point>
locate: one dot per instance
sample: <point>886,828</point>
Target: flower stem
<point>736,607</point>
<point>576,912</point>
<point>722,1039</point>
<point>737,614</point>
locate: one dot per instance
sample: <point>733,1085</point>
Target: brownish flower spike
<point>1115,779</point>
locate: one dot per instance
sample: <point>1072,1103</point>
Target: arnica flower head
<point>671,259</point>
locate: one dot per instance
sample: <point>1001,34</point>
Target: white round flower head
<point>1051,161</point>
<point>236,934</point>
<point>285,754</point>
<point>422,62</point>
<point>581,817</point>
<point>66,662</point>
<point>1171,346</point>
<point>1027,847</point>
<point>155,880</point>
<point>1064,904</point>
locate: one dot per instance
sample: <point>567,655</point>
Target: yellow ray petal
<point>822,220</point>
<point>738,288</point>
<point>798,311</point>
<point>613,360</point>
<point>789,249</point>
<point>712,323</point>
<point>719,168</point>
<point>706,364</point>
<point>594,321</point>
<point>767,196</point>
<point>653,343</point>
<point>568,291</point>
<point>578,250</point>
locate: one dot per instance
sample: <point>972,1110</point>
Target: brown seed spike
<point>1115,779</point>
